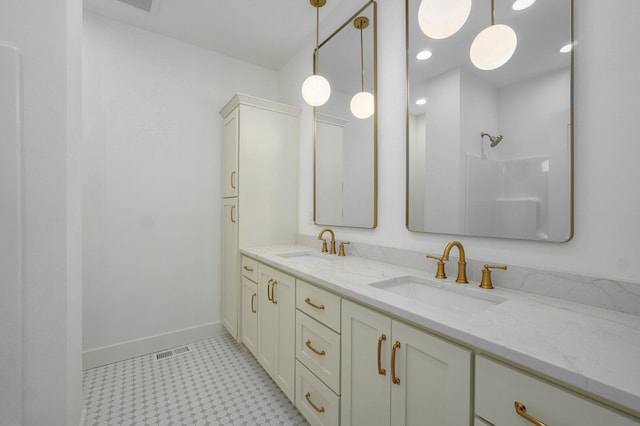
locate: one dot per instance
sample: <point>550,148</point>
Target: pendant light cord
<point>315,68</point>
<point>362,59</point>
<point>493,13</point>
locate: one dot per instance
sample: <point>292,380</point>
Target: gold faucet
<point>462,264</point>
<point>324,241</point>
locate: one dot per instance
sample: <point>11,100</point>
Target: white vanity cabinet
<point>230,271</point>
<point>259,187</point>
<point>395,374</point>
<point>499,387</point>
<point>249,304</point>
<point>317,354</point>
<point>276,327</point>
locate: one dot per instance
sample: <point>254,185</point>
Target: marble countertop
<point>592,349</point>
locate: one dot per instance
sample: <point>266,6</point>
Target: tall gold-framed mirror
<point>345,131</point>
<point>489,152</point>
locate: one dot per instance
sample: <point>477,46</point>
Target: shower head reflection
<point>495,140</point>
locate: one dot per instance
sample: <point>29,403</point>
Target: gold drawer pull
<point>253,303</point>
<point>273,292</point>
<point>394,379</point>
<point>317,352</point>
<point>269,296</point>
<point>233,180</point>
<point>246,268</point>
<point>310,303</point>
<point>381,371</point>
<point>522,412</point>
<point>233,216</point>
<point>315,407</point>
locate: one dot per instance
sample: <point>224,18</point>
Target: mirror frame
<point>571,136</point>
<point>375,116</point>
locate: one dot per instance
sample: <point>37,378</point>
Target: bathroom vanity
<point>378,344</point>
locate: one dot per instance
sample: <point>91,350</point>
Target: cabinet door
<point>284,300</point>
<point>366,347</point>
<point>266,319</point>
<point>230,155</point>
<point>230,267</point>
<point>434,380</point>
<point>250,314</point>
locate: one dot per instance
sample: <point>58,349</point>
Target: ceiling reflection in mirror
<point>345,136</point>
<point>489,152</point>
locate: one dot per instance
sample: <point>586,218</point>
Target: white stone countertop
<point>593,349</point>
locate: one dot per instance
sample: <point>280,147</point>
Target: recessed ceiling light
<point>566,48</point>
<point>424,55</point>
<point>421,101</point>
<point>522,4</point>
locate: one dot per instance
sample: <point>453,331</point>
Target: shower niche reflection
<point>490,152</point>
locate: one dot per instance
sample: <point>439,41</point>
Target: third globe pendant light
<point>493,46</point>
<point>316,89</point>
<point>362,103</point>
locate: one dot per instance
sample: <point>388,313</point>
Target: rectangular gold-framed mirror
<point>345,131</point>
<point>490,151</point>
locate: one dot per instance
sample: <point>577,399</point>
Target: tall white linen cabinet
<point>259,188</point>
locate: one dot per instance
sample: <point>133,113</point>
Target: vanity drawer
<point>319,304</point>
<point>318,347</point>
<point>498,387</point>
<point>317,403</point>
<point>249,268</point>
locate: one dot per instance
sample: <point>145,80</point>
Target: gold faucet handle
<point>486,275</point>
<point>341,251</point>
<point>440,274</point>
<point>324,246</point>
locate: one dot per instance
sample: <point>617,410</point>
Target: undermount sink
<point>308,256</point>
<point>443,294</point>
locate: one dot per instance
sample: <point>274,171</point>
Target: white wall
<point>607,229</point>
<point>49,389</point>
<point>152,200</point>
<point>526,112</point>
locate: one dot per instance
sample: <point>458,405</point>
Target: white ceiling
<point>266,33</point>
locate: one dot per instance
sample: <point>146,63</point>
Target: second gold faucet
<point>324,241</point>
<point>462,263</point>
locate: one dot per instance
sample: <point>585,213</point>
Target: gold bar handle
<point>394,378</point>
<point>317,352</point>
<point>381,371</point>
<point>310,303</point>
<point>522,412</point>
<point>247,268</point>
<point>269,290</point>
<point>273,292</point>
<point>315,407</point>
<point>233,179</point>
<point>253,303</point>
<point>233,217</point>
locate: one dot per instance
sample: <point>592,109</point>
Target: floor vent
<point>172,352</point>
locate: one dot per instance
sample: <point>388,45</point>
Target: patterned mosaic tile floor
<point>217,383</point>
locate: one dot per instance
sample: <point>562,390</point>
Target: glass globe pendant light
<point>493,46</point>
<point>362,103</point>
<point>440,19</point>
<point>316,89</point>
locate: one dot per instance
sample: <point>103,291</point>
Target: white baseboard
<point>113,353</point>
